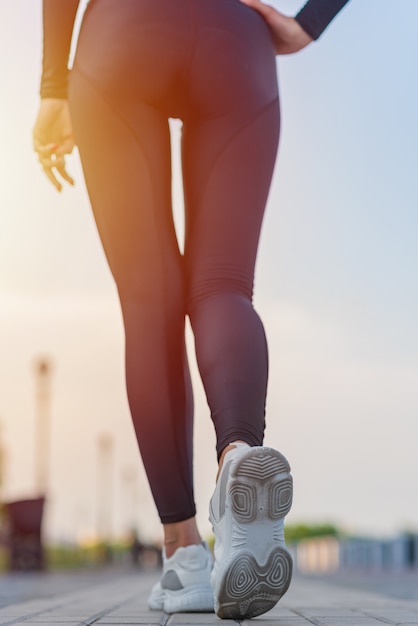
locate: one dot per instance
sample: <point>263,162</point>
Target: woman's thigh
<point>211,63</point>
<point>126,165</point>
<point>230,138</point>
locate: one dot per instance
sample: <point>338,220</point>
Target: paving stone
<point>120,600</point>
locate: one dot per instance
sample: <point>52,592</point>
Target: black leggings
<point>210,63</point>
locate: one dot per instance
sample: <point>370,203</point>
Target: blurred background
<point>336,287</point>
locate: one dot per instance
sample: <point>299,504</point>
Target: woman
<point>210,63</point>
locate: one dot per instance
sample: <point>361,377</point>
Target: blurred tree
<point>296,532</point>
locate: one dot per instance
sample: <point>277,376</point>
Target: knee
<point>218,289</point>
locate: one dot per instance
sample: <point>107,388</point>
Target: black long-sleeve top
<point>58,23</point>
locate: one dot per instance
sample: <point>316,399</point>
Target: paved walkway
<point>119,599</point>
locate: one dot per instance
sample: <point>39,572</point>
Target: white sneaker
<point>185,583</point>
<point>252,567</point>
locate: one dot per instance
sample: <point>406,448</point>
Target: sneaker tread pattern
<point>262,485</point>
<point>249,589</point>
<point>260,490</point>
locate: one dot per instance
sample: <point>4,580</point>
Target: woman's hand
<point>288,35</point>
<point>53,138</point>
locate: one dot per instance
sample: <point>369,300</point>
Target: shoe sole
<point>258,572</point>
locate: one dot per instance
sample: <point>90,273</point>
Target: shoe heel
<point>196,600</point>
<point>249,590</point>
<point>262,486</point>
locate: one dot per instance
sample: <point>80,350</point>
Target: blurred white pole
<point>104,487</point>
<point>2,461</point>
<point>130,497</point>
<point>43,369</point>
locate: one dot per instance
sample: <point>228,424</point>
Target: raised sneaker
<point>252,567</point>
<point>185,582</point>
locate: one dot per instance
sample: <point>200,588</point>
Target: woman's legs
<point>120,104</point>
<point>127,169</point>
<point>212,64</point>
<point>231,348</point>
<point>229,147</point>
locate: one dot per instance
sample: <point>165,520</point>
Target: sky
<point>335,286</point>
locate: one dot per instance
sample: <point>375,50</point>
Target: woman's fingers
<point>48,171</point>
<point>44,150</point>
<point>288,35</point>
<point>51,163</point>
<point>66,146</point>
<point>53,138</point>
<point>257,5</point>
<point>63,172</point>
